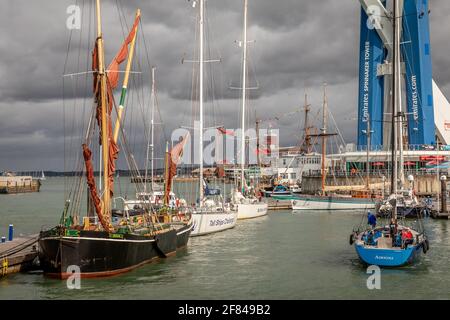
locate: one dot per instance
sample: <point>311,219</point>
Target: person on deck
<point>371,220</point>
<point>398,240</point>
<point>407,237</point>
<point>258,195</point>
<point>370,239</point>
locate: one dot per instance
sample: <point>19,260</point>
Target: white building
<point>291,164</point>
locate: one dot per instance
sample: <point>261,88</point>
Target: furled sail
<point>173,158</point>
<point>111,83</point>
<point>113,79</point>
<point>87,154</point>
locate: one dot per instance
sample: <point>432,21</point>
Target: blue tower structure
<point>416,53</point>
<point>419,76</point>
<point>371,87</point>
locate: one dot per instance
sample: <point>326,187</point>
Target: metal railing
<point>410,147</point>
<point>373,173</point>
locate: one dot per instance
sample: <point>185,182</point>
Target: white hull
<point>209,222</point>
<point>251,210</point>
<point>331,204</point>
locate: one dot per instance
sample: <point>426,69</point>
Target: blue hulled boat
<point>278,190</point>
<point>379,247</point>
<point>394,245</point>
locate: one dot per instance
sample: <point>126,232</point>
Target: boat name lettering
<point>116,236</point>
<point>220,222</point>
<point>384,258</point>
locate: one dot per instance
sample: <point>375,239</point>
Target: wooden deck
<point>18,255</point>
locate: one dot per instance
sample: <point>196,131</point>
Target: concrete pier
<point>275,205</point>
<point>15,187</point>
<point>18,255</point>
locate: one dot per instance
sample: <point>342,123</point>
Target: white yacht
<point>211,214</point>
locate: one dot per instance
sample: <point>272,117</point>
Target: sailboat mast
<point>398,82</point>
<point>166,174</point>
<point>307,139</point>
<point>150,145</point>
<point>369,137</point>
<point>258,143</point>
<point>396,99</point>
<point>152,167</point>
<point>324,135</point>
<point>244,94</point>
<point>201,98</point>
<point>104,115</point>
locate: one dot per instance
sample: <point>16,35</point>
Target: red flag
<point>263,151</point>
<point>223,131</point>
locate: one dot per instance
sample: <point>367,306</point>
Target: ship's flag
<point>226,132</point>
<point>263,151</point>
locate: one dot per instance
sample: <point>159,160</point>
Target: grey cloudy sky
<point>299,45</point>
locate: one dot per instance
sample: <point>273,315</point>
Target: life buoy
<point>352,239</point>
<point>425,246</point>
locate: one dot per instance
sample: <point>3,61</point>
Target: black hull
<point>99,255</point>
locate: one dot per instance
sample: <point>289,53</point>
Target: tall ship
<point>327,200</point>
<point>98,244</point>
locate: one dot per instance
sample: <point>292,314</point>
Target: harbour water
<point>285,255</point>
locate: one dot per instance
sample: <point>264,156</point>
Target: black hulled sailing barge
<point>100,246</point>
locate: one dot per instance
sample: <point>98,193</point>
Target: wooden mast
<point>104,113</point>
<point>125,82</point>
<point>324,138</point>
<point>306,144</point>
<point>324,135</point>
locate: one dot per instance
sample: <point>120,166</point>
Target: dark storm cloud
<point>298,45</point>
